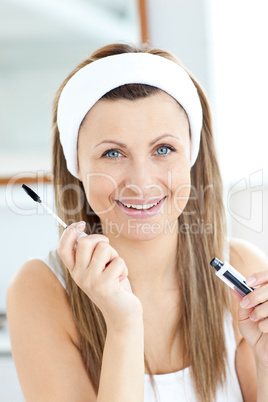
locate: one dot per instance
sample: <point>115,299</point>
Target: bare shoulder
<point>35,286</point>
<point>34,273</point>
<point>246,257</point>
<point>44,338</point>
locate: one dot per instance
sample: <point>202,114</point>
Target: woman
<point>134,166</point>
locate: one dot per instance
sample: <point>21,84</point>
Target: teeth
<point>148,206</point>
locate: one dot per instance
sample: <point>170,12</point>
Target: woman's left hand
<point>253,316</point>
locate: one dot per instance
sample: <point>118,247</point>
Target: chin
<point>141,231</point>
<point>141,237</point>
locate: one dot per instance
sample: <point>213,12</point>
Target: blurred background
<point>222,43</point>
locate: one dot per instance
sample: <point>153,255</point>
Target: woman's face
<point>136,153</point>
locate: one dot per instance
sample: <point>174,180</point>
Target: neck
<point>151,264</point>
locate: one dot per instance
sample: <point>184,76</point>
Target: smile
<point>141,211</point>
<point>140,206</point>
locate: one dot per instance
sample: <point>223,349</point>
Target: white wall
<point>240,40</point>
<point>26,230</point>
<point>183,27</point>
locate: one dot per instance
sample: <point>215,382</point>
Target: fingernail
<point>251,280</point>
<point>81,235</point>
<point>252,317</point>
<point>244,302</point>
<point>81,226</point>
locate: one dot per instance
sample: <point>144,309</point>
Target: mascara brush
<point>36,198</point>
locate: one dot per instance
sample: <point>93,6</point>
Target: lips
<point>136,201</point>
<point>141,213</point>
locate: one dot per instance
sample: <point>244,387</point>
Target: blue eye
<point>112,154</point>
<point>162,150</point>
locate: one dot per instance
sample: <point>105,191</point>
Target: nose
<point>141,178</point>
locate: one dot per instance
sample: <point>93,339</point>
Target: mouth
<point>140,208</point>
<point>140,205</point>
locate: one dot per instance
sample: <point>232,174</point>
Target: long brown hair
<point>201,236</point>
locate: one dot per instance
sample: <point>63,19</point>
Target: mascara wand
<point>36,198</point>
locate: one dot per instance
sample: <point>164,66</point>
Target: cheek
<point>99,187</point>
<point>181,188</point>
<point>181,198</point>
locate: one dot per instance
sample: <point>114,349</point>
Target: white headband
<point>94,80</point>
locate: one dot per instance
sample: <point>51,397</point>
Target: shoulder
<point>246,257</point>
<point>35,277</point>
<point>36,289</point>
<point>44,338</point>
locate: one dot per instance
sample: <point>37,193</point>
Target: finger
<point>235,295</point>
<point>115,269</point>
<point>259,295</point>
<point>67,241</point>
<point>83,234</point>
<point>85,249</point>
<point>260,312</point>
<point>263,325</point>
<point>102,255</point>
<point>244,314</point>
<point>124,274</point>
<point>258,278</point>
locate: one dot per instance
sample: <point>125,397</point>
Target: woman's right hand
<point>98,270</point>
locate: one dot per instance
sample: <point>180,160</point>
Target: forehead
<point>133,123</point>
<point>158,106</point>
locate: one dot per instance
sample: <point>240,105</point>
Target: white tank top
<point>178,386</point>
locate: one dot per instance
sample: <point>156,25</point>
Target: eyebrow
<point>120,144</point>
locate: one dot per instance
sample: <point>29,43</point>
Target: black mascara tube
<point>231,277</point>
